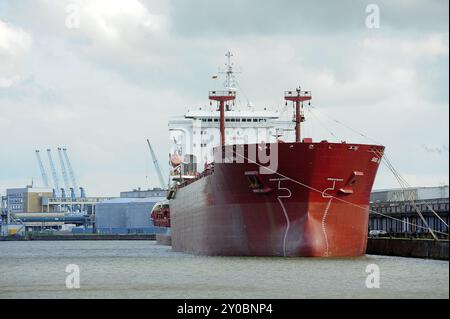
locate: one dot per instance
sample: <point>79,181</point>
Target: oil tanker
<point>245,183</point>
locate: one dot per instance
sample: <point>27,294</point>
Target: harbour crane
<point>42,169</point>
<point>155,162</point>
<point>71,173</point>
<point>54,174</point>
<point>63,169</point>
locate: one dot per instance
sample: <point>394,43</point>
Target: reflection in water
<point>142,269</point>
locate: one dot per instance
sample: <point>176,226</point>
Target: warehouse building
<point>412,193</point>
<point>395,212</point>
<point>127,216</point>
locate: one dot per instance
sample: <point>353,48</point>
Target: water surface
<point>143,269</point>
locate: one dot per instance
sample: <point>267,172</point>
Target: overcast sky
<point>102,88</point>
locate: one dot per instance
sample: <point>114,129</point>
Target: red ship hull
<point>316,204</point>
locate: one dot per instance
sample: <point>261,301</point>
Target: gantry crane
<point>42,169</point>
<point>63,170</point>
<point>54,174</point>
<point>72,175</point>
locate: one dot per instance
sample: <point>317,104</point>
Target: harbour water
<point>143,269</point>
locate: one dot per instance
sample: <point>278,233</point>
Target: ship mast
<point>230,81</point>
<point>228,94</point>
<point>298,97</point>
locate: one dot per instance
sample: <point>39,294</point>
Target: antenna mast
<point>224,96</point>
<point>298,97</point>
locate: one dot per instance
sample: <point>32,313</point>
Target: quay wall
<point>419,248</point>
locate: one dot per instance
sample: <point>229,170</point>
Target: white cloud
<point>407,47</point>
<point>102,89</point>
<point>110,23</point>
<point>118,22</point>
<point>15,44</point>
<point>9,82</point>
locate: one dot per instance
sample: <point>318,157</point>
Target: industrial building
<point>56,204</point>
<point>412,193</point>
<point>27,199</point>
<point>126,216</point>
<point>410,212</point>
<point>35,208</point>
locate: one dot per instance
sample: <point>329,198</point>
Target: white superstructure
<point>198,131</point>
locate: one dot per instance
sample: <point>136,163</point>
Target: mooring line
<point>337,198</point>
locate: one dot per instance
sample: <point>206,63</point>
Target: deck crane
<point>63,170</point>
<point>54,174</point>
<point>42,168</point>
<point>155,162</point>
<point>72,174</point>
